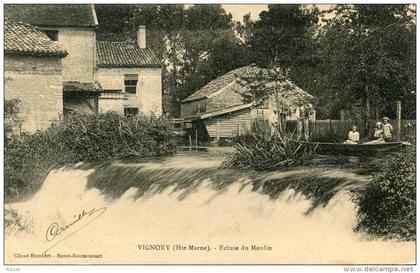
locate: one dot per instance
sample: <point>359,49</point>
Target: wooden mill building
<point>223,109</point>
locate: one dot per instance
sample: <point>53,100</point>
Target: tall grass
<point>268,149</point>
<point>81,137</point>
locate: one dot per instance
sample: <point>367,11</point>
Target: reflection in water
<point>305,215</point>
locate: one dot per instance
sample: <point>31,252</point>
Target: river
<point>185,209</point>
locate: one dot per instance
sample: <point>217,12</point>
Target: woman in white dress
<point>353,136</point>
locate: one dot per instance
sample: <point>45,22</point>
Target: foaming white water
<point>206,217</point>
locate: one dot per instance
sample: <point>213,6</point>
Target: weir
<point>304,215</point>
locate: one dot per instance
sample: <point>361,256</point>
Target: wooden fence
<point>324,129</point>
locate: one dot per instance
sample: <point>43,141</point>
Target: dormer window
<point>52,34</point>
<point>130,83</point>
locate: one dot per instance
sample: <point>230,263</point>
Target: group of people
<point>382,133</point>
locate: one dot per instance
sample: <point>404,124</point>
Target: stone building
<point>97,75</point>
<point>130,76</point>
<point>33,74</point>
<point>74,28</point>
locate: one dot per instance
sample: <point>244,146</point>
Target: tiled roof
<point>57,15</point>
<point>232,77</point>
<point>124,54</point>
<point>222,81</point>
<point>115,37</point>
<point>72,86</point>
<point>24,39</point>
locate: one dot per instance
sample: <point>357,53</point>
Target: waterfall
<point>148,211</point>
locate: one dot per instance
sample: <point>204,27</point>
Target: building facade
<point>97,76</point>
<point>130,76</point>
<point>33,74</point>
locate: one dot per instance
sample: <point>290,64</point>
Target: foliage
<point>14,223</point>
<point>82,137</point>
<point>411,135</point>
<point>13,122</point>
<point>387,207</point>
<point>280,36</point>
<point>196,43</point>
<point>268,86</point>
<point>263,84</point>
<point>361,55</point>
<point>113,18</point>
<point>266,150</point>
<point>358,55</point>
<point>367,54</point>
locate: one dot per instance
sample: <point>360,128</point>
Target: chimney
<point>141,36</point>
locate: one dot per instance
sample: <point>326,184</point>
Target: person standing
<point>302,113</point>
<point>387,128</point>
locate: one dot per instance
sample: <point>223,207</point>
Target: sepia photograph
<point>210,134</point>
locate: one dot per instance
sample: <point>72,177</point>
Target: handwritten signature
<point>55,231</point>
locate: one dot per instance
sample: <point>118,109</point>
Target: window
<point>52,34</point>
<point>130,83</point>
<point>131,111</point>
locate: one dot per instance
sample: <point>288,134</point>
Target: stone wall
<point>37,82</point>
<point>149,89</point>
<point>80,43</point>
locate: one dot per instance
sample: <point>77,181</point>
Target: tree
<point>282,34</point>
<point>196,44</point>
<point>367,58</point>
<point>113,18</point>
<point>285,37</point>
<point>265,84</point>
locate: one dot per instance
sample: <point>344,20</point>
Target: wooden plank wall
<point>340,128</point>
<point>229,125</point>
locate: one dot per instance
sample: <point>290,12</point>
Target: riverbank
<point>79,137</point>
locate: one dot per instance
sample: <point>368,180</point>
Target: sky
<point>239,10</point>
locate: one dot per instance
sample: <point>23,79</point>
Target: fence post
<point>398,120</point>
<point>217,131</point>
<point>330,126</point>
<point>314,123</point>
<point>190,142</point>
<point>196,140</point>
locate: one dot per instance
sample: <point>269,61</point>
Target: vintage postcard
<point>210,134</point>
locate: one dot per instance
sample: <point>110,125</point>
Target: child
<point>378,135</point>
<point>387,129</point>
<point>353,136</point>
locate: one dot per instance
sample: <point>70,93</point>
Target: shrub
<point>82,137</point>
<point>265,150</point>
<point>387,208</point>
<point>410,135</point>
<point>14,223</point>
<point>12,122</point>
